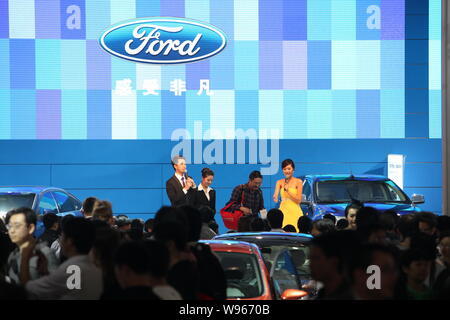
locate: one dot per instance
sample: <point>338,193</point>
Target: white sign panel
<point>396,168</point>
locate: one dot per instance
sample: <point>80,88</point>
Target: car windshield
<point>288,265</point>
<point>342,191</point>
<point>243,275</point>
<point>9,201</point>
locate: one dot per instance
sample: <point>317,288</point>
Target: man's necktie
<point>182,182</point>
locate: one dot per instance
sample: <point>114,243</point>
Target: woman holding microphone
<point>291,194</point>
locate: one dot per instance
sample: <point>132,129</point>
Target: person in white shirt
<point>204,195</point>
<point>204,199</point>
<point>77,278</point>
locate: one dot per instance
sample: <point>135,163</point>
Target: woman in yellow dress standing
<point>291,194</point>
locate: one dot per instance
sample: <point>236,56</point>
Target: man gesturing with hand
<point>180,186</point>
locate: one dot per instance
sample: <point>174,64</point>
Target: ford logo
<point>163,40</point>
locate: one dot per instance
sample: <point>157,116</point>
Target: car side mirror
<point>293,294</point>
<point>417,198</point>
<point>305,200</point>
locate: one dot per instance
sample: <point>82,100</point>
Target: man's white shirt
<point>167,292</point>
<point>180,178</point>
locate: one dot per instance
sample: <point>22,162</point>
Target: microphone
<point>286,181</point>
<point>186,177</point>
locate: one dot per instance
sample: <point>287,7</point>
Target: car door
<point>67,204</point>
<point>307,207</point>
<point>47,204</point>
<point>284,273</point>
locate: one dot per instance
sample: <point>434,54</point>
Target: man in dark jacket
<point>133,272</point>
<point>212,282</point>
<point>51,224</point>
<point>180,186</point>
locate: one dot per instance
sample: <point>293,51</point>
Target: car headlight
<point>320,210</point>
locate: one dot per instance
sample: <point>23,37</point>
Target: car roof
<point>363,177</point>
<point>267,238</point>
<point>28,189</point>
<point>231,246</point>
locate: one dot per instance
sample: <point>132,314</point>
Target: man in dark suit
<point>180,186</point>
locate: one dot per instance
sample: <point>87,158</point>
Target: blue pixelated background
<point>311,69</point>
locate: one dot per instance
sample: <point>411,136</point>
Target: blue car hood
<point>338,209</point>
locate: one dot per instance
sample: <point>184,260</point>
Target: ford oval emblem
<point>163,40</point>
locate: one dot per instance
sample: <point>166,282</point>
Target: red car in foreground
<point>247,275</point>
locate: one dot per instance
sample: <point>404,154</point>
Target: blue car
<point>324,194</point>
<point>42,200</point>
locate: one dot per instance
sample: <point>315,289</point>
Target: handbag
<point>231,218</point>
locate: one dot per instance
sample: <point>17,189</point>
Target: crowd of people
<point>412,252</point>
<point>118,258</point>
<point>380,255</point>
<point>102,256</point>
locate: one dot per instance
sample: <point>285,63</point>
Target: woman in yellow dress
<point>291,194</point>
